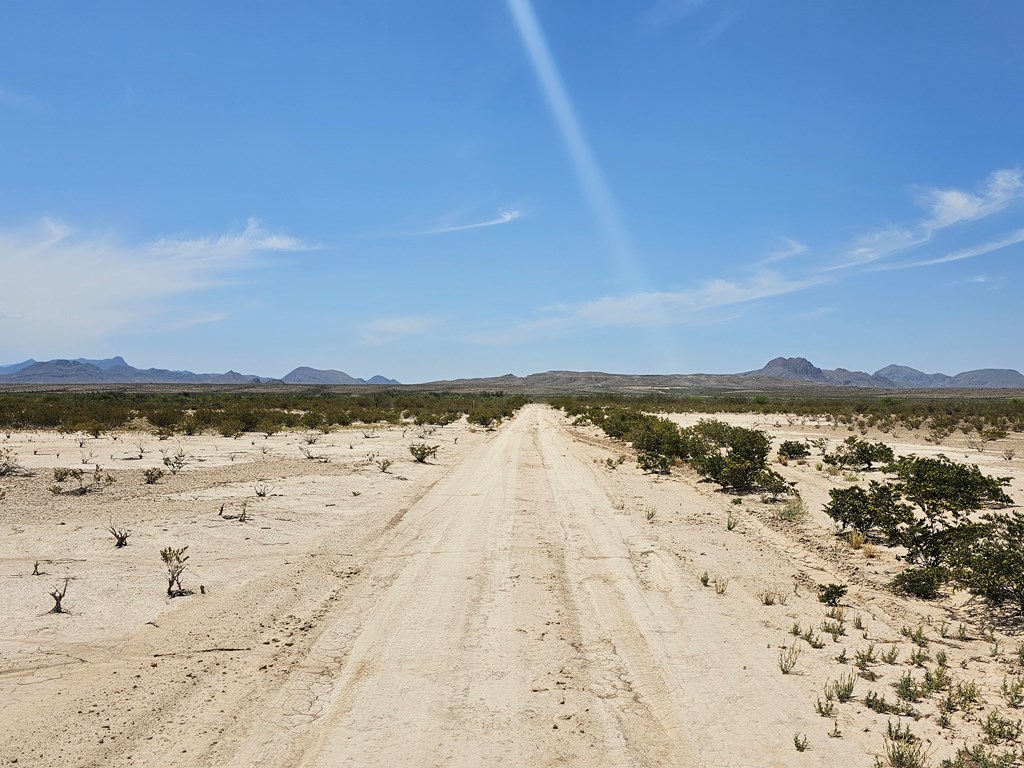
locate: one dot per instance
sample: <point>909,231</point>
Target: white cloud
<point>503,217</point>
<point>1013,238</point>
<point>954,206</point>
<point>385,329</point>
<point>64,286</point>
<point>946,208</point>
<point>790,249</point>
<point>651,308</point>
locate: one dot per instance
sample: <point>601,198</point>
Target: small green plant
<point>812,639</point>
<point>383,464</point>
<point>262,490</point>
<point>999,729</point>
<point>942,659</point>
<point>980,756</point>
<point>936,681</point>
<point>731,522</point>
<point>788,657</point>
<point>825,708</point>
<point>175,561</point>
<point>705,579</point>
<point>916,636</point>
<point>962,697</point>
<point>919,657</point>
<point>908,689</point>
<point>834,628</point>
<point>841,657</point>
<point>175,461</point>
<point>865,657</point>
<point>890,656</point>
<point>721,584</point>
<point>898,732</point>
<point>831,594</point>
<point>650,513</point>
<point>843,687</point>
<point>421,452</point>
<point>151,475</point>
<point>903,754</point>
<point>1013,692</point>
<point>878,704</point>
<point>800,742</point>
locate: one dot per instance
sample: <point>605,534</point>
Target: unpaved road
<point>511,610</point>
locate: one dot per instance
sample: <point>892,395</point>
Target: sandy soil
<point>514,602</point>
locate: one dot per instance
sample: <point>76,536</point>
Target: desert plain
<point>528,597</point>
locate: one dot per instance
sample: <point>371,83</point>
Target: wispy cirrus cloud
<point>76,286</point>
<point>650,308</point>
<point>504,217</point>
<point>945,208</point>
<point>385,329</point>
<point>17,100</point>
<point>954,206</point>
<point>789,249</point>
<point>1014,238</point>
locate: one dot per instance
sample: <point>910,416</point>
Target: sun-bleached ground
<point>524,599</point>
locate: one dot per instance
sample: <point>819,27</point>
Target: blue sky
<point>471,188</point>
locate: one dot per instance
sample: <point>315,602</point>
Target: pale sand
<point>509,604</point>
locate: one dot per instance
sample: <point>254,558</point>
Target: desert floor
<point>524,599</point>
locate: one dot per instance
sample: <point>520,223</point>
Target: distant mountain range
<point>892,376</point>
<point>115,370</point>
<point>783,373</point>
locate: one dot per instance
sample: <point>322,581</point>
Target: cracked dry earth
<point>510,604</point>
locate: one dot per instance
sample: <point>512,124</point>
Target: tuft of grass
<point>793,511</point>
<point>721,584</point>
<point>856,539</point>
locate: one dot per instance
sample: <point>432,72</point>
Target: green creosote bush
<point>831,594</point>
<point>794,449</point>
<point>421,452</point>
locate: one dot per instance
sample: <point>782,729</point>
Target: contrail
<point>587,171</point>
